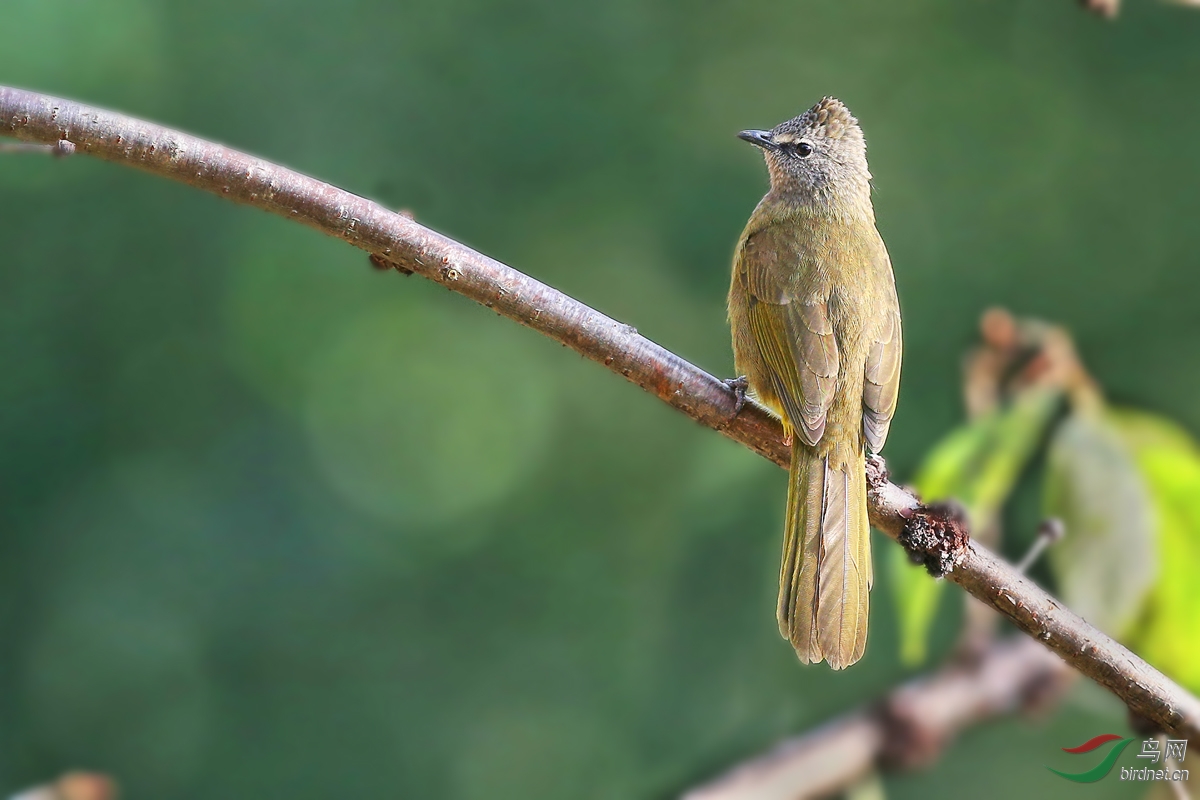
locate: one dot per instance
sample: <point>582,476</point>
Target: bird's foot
<point>739,385</point>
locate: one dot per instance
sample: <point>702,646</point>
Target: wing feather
<point>794,336</point>
<point>882,384</point>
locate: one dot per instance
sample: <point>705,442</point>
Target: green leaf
<point>1107,561</point>
<point>977,464</point>
<point>1168,632</point>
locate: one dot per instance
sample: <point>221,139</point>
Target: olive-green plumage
<point>816,332</point>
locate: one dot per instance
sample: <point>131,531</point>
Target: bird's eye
<point>804,150</point>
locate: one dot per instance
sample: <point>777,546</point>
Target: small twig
<point>1170,765</point>
<point>1049,532</point>
<point>371,227</point>
<point>1109,8</point>
<point>59,149</point>
<point>24,147</point>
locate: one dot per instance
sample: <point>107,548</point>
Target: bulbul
<point>816,333</point>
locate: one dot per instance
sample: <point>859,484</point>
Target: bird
<point>815,322</point>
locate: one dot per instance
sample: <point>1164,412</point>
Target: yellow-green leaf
<point>976,464</point>
<point>1168,632</point>
<point>1107,561</point>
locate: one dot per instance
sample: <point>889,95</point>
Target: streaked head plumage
<point>828,119</point>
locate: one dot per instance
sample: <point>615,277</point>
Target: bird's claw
<point>739,385</point>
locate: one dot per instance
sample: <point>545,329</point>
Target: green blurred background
<point>277,525</point>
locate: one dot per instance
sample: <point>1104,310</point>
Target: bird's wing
<point>792,331</point>
<point>882,383</point>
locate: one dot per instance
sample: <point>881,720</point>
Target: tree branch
<point>932,532</point>
<point>907,729</point>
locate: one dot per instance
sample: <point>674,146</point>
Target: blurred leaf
<point>976,464</point>
<point>1106,562</point>
<point>1168,631</point>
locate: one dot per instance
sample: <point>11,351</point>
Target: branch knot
<point>936,536</point>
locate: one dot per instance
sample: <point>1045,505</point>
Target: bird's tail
<point>825,579</point>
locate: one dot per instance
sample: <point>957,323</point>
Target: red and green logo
<point>1104,767</point>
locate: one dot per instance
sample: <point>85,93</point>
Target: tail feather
<point>826,574</point>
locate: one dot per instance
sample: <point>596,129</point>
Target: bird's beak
<point>761,139</point>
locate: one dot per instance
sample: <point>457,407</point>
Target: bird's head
<point>819,156</point>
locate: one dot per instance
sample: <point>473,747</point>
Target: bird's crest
<point>829,119</point>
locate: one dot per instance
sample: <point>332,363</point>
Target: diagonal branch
<point>934,533</point>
